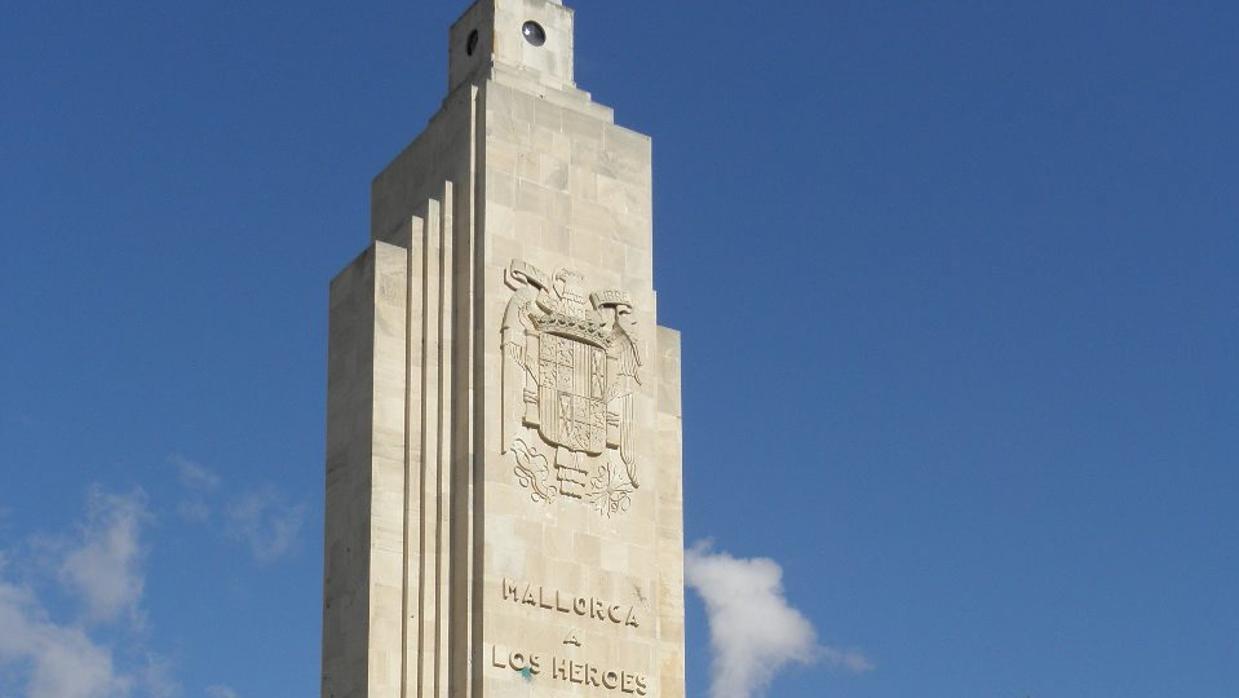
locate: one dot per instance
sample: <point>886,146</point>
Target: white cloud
<point>754,633</point>
<point>103,567</point>
<point>100,566</point>
<point>262,518</point>
<point>158,678</point>
<point>193,475</point>
<point>850,660</point>
<point>221,692</point>
<point>200,482</point>
<point>62,662</point>
<point>58,660</point>
<point>266,522</point>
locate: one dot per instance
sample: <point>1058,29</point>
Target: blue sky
<point>957,282</point>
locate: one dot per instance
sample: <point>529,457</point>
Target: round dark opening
<point>534,33</point>
<point>472,44</point>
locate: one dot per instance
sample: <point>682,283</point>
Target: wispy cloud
<point>102,566</point>
<point>62,661</point>
<point>754,632</point>
<point>158,678</point>
<point>266,522</point>
<point>103,651</point>
<point>221,692</point>
<point>194,475</point>
<point>199,483</point>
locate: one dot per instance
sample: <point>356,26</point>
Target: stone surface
<point>504,501</point>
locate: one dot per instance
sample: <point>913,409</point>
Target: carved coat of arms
<point>571,365</point>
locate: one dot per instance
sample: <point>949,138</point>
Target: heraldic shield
<point>571,366</point>
<point>572,394</point>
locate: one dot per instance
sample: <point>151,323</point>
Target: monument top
<point>504,473</point>
<point>530,39</point>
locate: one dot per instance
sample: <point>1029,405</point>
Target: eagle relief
<point>571,364</point>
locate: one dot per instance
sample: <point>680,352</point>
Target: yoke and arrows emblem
<point>571,366</point>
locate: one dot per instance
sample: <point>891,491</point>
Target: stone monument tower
<point>503,508</point>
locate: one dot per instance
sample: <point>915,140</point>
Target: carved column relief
<point>571,365</point>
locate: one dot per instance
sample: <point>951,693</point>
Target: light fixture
<point>534,33</point>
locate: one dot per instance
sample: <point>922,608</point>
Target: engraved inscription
<point>546,598</point>
<point>567,670</point>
